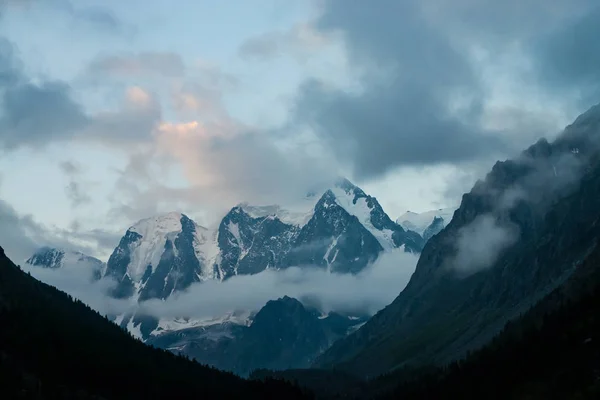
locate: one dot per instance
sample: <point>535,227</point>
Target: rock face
<point>159,256</point>
<point>250,245</point>
<point>283,334</point>
<point>345,231</point>
<point>516,236</point>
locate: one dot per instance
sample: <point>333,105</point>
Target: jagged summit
<point>159,255</point>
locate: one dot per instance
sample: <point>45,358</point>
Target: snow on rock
<point>175,324</point>
<point>206,248</point>
<point>135,330</point>
<point>291,217</point>
<point>361,210</point>
<point>154,233</point>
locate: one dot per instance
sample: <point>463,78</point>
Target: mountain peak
<point>349,187</point>
<point>170,220</point>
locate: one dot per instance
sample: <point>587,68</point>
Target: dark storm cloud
<point>36,113</point>
<point>411,75</point>
<point>397,125</point>
<point>569,58</point>
<point>422,101</point>
<point>29,112</point>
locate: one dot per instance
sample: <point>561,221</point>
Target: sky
<point>113,111</point>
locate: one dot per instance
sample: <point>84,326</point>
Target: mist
<point>552,171</point>
<point>77,280</point>
<point>480,243</point>
<point>364,293</point>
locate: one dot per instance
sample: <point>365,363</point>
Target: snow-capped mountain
<point>428,223</point>
<point>48,257</point>
<point>161,255</point>
<point>343,231</point>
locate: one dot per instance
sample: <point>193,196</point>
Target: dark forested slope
<point>552,352</point>
<point>55,347</point>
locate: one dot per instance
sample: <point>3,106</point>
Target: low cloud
<point>479,244</point>
<point>22,235</point>
<point>367,292</point>
<point>76,280</point>
<point>540,175</point>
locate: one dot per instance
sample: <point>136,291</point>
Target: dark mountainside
<point>284,334</point>
<point>54,347</point>
<point>544,208</point>
<point>551,352</point>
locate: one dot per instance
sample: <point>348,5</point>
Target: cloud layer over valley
<point>364,293</point>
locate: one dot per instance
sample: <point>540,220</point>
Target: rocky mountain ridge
<point>517,235</point>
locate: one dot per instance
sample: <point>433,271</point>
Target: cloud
<point>569,58</point>
<point>22,235</point>
<point>540,175</point>
<point>33,113</point>
<point>131,124</point>
<point>76,280</point>
<point>411,77</point>
<point>97,17</point>
<point>15,232</point>
<point>428,93</point>
<point>37,114</point>
<point>366,292</point>
<point>226,163</point>
<point>301,41</point>
<point>76,188</point>
<point>134,64</point>
<point>479,244</point>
